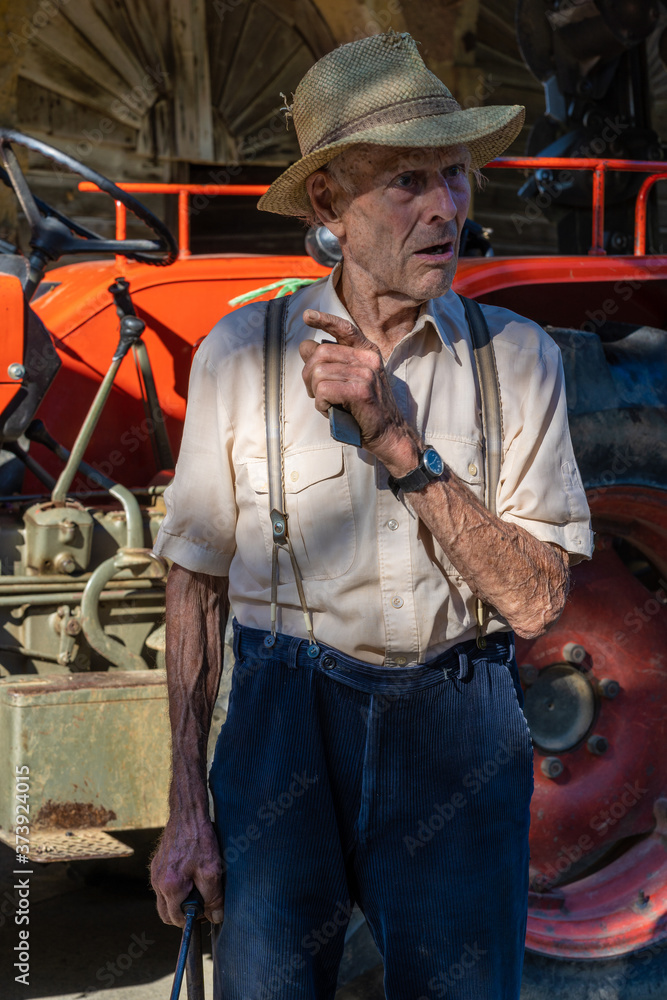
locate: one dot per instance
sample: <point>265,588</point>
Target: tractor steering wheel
<point>52,234</point>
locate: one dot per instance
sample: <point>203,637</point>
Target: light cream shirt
<point>377,583</point>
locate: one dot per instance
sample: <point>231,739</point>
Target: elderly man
<point>375,750</point>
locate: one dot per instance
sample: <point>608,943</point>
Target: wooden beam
<point>191,83</point>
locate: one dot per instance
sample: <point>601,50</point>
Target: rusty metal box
<point>97,747</point>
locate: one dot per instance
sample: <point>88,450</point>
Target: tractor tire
<point>616,381</point>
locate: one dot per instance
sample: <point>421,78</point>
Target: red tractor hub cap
<point>595,689</point>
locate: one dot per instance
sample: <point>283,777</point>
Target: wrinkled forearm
<point>197,608</point>
<point>524,579</point>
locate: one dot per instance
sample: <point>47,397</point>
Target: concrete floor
<point>79,931</point>
<point>95,932</point>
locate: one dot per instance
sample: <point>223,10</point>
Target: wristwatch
<point>430,467</point>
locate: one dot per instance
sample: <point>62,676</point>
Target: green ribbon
<point>286,286</point>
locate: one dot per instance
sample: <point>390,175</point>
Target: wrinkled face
<point>400,215</point>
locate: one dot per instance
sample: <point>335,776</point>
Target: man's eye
<point>405,180</point>
<point>455,170</point>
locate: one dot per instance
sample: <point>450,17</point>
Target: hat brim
<point>487,132</point>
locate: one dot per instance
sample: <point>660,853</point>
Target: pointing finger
<point>345,332</point>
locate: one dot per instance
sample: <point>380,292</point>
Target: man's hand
<point>524,579</point>
<point>197,608</point>
<point>351,373</point>
<point>187,855</point>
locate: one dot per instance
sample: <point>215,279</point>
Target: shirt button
<point>392,524</point>
<point>401,660</point>
<point>294,476</point>
<point>472,469</point>
<point>397,602</point>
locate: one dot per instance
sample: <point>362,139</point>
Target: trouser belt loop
<point>293,652</point>
<point>462,673</point>
<point>236,641</point>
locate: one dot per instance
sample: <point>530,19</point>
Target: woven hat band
<point>394,114</point>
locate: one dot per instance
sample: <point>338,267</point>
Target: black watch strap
<point>417,479</point>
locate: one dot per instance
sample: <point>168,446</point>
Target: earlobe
<point>321,198</point>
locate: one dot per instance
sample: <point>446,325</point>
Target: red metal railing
<point>600,168</point>
<point>183,191</point>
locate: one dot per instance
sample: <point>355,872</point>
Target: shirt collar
<point>434,311</point>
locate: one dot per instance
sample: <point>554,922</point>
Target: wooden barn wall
<point>145,89</point>
<point>161,90</point>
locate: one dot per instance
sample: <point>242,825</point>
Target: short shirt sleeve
<point>198,531</point>
<point>540,487</point>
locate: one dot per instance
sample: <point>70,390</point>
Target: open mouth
<point>438,250</point>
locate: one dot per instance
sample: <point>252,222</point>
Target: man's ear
<point>320,188</point>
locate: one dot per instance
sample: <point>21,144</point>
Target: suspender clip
<point>279,527</point>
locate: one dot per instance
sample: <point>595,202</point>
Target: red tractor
<point>94,369</point>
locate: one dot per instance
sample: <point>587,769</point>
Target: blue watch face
<point>433,463</point>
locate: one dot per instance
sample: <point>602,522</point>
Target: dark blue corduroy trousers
<point>405,789</point>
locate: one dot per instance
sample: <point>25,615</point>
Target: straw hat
<point>378,90</point>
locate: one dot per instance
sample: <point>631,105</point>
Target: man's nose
<point>440,203</point>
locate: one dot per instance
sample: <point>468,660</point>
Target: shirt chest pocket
<point>464,458</point>
<point>319,507</point>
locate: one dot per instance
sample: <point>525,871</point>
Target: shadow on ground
<point>95,932</point>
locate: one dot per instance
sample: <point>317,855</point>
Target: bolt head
<point>551,767</point>
<point>597,745</point>
<point>528,673</point>
<point>574,652</point>
<point>65,563</point>
<point>16,371</point>
<point>609,688</point>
